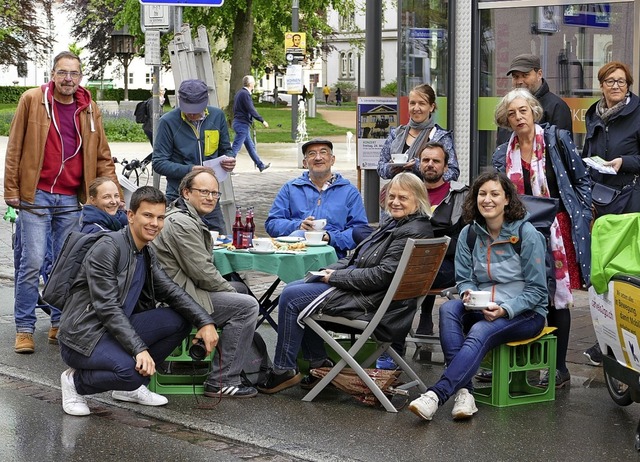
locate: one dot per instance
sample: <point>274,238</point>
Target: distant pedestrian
<point>243,114</point>
<point>304,94</point>
<point>338,97</point>
<point>326,91</point>
<point>147,126</point>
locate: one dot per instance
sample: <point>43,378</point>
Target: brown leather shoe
<point>53,335</point>
<point>24,343</point>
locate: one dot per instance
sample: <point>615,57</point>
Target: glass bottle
<point>247,233</point>
<point>238,229</point>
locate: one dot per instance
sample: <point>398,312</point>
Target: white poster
<point>293,79</point>
<point>376,116</point>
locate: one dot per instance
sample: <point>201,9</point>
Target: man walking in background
<point>243,114</point>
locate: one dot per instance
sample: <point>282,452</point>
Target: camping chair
<point>419,264</point>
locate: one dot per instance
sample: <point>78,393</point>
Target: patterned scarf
<point>563,298</point>
<point>606,113</point>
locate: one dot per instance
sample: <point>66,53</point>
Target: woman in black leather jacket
<point>357,283</point>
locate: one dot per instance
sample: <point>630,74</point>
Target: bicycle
<point>139,168</point>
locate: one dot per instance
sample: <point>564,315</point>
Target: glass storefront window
<point>423,49</point>
<point>573,42</point>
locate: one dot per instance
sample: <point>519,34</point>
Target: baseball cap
<point>524,63</point>
<point>193,96</point>
<point>316,141</point>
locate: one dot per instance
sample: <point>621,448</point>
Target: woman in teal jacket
<point>516,280</point>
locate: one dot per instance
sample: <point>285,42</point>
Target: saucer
<point>475,307</point>
<point>262,252</point>
<point>316,244</point>
<point>289,239</point>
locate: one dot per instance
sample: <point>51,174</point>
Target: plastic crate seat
<point>510,364</point>
<point>185,380</point>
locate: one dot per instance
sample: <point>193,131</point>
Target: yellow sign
<point>295,45</point>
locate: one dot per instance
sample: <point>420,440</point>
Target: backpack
<point>256,363</point>
<point>66,268</point>
<point>141,113</point>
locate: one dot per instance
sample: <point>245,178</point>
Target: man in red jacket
<point>56,147</point>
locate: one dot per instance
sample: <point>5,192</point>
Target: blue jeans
<point>37,227</point>
<point>243,136</point>
<point>466,337</point>
<point>291,337</point>
<point>111,367</point>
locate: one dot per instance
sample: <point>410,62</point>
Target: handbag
<point>542,211</point>
<point>607,200</point>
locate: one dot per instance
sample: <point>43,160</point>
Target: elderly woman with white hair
<point>542,160</point>
<point>353,287</point>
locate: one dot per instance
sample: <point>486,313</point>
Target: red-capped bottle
<point>238,229</point>
<point>247,234</point>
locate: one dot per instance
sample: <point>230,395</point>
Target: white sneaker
<point>141,396</point>
<point>425,406</point>
<point>465,405</point>
<point>72,402</point>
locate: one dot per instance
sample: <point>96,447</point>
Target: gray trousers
<point>236,314</point>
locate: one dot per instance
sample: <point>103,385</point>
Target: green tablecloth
<point>287,267</point>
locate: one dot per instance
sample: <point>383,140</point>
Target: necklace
<point>412,136</point>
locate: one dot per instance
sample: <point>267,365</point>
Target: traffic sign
<point>183,2</point>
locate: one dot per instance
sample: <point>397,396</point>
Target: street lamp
<point>122,45</point>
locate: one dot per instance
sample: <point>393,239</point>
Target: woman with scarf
<point>613,133</point>
<point>541,160</point>
<point>103,212</point>
<point>407,139</point>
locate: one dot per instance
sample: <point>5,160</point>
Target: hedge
<point>11,95</point>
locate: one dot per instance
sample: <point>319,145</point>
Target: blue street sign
<point>183,2</point>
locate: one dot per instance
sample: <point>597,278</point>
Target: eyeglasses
<point>611,83</point>
<point>207,193</point>
<point>74,75</point>
<point>322,152</point>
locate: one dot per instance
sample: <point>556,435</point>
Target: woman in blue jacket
<point>103,212</point>
<point>516,280</point>
<point>542,160</point>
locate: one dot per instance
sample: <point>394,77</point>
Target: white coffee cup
<point>263,243</point>
<point>214,236</point>
<point>314,237</point>
<point>399,158</point>
<point>318,225</point>
<point>479,297</point>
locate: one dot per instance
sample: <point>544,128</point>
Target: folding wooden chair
<point>419,264</point>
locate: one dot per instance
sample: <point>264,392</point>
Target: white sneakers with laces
<point>425,406</point>
<point>140,396</point>
<point>464,406</point>
<point>72,402</point>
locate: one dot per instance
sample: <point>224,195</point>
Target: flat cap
<point>193,96</point>
<point>316,141</point>
<point>524,63</point>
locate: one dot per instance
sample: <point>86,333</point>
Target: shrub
<point>390,89</point>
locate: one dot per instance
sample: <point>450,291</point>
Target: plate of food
<point>290,239</point>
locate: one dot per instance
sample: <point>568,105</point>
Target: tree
<point>251,31</point>
<point>21,38</point>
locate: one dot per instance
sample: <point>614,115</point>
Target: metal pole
<point>156,115</point>
<point>372,86</point>
<point>294,98</point>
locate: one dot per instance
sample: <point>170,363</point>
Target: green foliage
<point>117,94</point>
<point>6,116</point>
<point>390,89</point>
<point>123,129</point>
<point>11,95</point>
<point>21,32</point>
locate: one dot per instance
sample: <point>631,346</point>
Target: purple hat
<point>193,96</point>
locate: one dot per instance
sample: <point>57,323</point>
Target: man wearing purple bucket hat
<point>189,135</point>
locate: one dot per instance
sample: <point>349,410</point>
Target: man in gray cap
<point>526,72</point>
<point>320,194</point>
<point>187,136</point>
